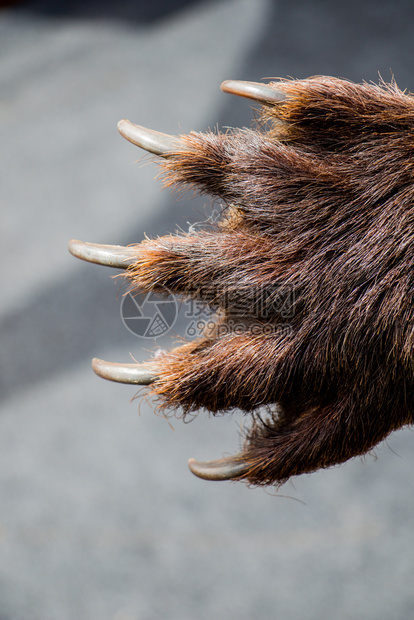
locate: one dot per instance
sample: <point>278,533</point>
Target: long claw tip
<point>152,141</point>
<point>123,373</point>
<point>108,255</point>
<point>264,93</point>
<point>221,469</point>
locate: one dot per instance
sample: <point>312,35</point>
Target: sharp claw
<point>108,255</point>
<point>253,90</point>
<point>123,373</point>
<point>222,469</point>
<point>150,140</point>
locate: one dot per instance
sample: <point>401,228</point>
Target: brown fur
<point>317,200</point>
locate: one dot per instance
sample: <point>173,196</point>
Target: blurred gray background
<point>99,516</point>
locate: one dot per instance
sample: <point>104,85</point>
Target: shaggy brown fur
<point>318,200</point>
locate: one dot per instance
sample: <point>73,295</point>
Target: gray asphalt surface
<point>99,516</point>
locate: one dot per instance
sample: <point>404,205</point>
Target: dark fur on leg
<point>319,199</point>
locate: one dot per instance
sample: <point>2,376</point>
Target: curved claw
<point>221,469</point>
<point>253,90</point>
<point>152,141</point>
<point>108,255</point>
<point>123,373</point>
